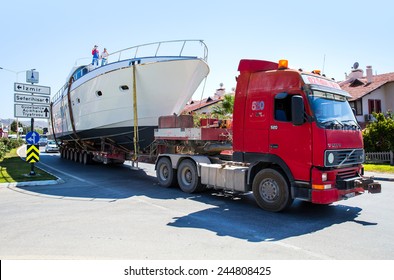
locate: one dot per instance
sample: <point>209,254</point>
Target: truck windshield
<point>332,111</point>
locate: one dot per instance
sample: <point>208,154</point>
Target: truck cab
<point>300,125</point>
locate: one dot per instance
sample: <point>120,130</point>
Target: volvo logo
<point>334,145</point>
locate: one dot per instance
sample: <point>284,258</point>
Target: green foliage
<point>14,126</point>
<point>3,150</point>
<point>7,145</point>
<point>225,108</point>
<point>379,135</point>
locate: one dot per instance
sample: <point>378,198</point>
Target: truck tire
<point>188,179</point>
<point>165,174</point>
<point>271,190</point>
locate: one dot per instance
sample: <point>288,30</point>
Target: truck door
<point>293,144</point>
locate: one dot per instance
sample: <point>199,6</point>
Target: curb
<point>379,176</point>
<point>32,183</point>
<point>383,179</point>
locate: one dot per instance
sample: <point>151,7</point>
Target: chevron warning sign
<point>33,153</point>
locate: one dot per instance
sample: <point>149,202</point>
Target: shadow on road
<point>235,216</point>
<point>255,225</point>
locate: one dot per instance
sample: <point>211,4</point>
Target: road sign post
<point>32,172</point>
<point>33,105</point>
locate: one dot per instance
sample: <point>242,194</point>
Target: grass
<point>384,168</point>
<point>14,169</point>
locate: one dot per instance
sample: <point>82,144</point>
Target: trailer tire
<point>76,156</point>
<point>271,190</point>
<point>187,176</point>
<point>86,159</point>
<point>69,154</point>
<point>80,157</point>
<point>165,174</point>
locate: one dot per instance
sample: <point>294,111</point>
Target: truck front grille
<point>338,158</point>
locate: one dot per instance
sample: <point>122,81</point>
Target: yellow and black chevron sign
<point>33,153</point>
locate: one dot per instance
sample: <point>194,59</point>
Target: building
<point>370,93</point>
<point>205,105</point>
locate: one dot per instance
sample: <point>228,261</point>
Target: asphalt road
<point>109,212</point>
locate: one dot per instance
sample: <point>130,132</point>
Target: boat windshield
<point>332,111</point>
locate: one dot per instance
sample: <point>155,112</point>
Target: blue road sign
<point>32,137</point>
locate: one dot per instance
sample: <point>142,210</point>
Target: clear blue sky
<point>50,35</point>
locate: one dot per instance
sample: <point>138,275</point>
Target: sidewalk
<point>380,176</point>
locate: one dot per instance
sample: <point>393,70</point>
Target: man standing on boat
<point>95,53</point>
<point>104,57</point>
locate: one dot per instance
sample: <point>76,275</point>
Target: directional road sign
<point>31,111</point>
<point>32,137</point>
<point>32,153</point>
<point>32,88</point>
<point>29,98</point>
<point>32,76</point>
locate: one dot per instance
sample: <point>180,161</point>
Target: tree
<point>14,126</point>
<point>225,108</point>
<point>379,135</point>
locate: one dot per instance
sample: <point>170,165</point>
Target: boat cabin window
<point>81,71</point>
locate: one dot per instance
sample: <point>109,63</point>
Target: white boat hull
<point>102,100</point>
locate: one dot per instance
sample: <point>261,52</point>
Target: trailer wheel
<point>165,174</point>
<point>188,179</point>
<point>271,190</point>
<point>76,156</point>
<point>69,155</point>
<point>80,157</point>
<point>86,159</point>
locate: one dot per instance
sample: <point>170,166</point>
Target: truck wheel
<point>188,179</point>
<point>271,190</point>
<point>165,174</point>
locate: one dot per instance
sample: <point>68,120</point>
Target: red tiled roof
<point>195,105</point>
<point>359,87</point>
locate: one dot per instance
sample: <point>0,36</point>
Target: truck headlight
<point>330,158</point>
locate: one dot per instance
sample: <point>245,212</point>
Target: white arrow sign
<point>31,111</point>
<point>32,88</point>
<point>35,99</point>
<point>32,138</point>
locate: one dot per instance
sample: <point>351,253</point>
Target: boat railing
<point>181,48</point>
<point>163,48</point>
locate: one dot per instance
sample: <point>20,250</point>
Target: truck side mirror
<point>297,110</point>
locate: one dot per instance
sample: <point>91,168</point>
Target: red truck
<point>294,136</point>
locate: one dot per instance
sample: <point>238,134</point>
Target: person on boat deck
<point>95,53</point>
<point>104,57</point>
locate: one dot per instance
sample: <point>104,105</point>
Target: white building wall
<point>389,97</point>
<point>377,94</point>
